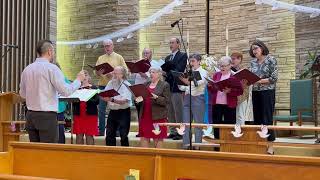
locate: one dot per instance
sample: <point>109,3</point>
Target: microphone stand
<point>7,51</point>
<point>191,79</point>
<point>2,57</point>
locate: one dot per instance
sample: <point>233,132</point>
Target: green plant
<point>311,68</point>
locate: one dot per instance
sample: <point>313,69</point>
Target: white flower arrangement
<point>209,63</point>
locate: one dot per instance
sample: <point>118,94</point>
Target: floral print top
<point>267,69</point>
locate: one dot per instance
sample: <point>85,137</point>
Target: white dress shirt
<point>199,90</point>
<point>173,54</point>
<point>40,84</point>
<point>125,94</point>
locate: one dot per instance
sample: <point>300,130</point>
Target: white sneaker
<point>270,150</point>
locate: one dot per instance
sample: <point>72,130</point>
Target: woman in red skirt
<point>154,110</point>
<point>86,116</point>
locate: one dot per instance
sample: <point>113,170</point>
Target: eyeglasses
<point>223,66</point>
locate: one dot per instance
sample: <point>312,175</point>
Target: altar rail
<point>250,141</point>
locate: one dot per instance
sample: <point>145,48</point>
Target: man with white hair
<point>114,60</point>
<point>119,115</point>
<point>141,78</point>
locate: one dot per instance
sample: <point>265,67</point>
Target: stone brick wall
<point>307,32</point>
<point>82,19</point>
<point>158,35</point>
<point>246,22</point>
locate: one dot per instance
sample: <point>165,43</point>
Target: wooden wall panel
<point>23,23</point>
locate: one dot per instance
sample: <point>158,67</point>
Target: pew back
<point>98,162</point>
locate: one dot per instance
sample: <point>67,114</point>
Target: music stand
<point>70,101</point>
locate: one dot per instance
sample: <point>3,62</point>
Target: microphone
<point>176,22</point>
<point>10,45</point>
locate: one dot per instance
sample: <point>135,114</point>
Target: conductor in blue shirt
<point>41,81</point>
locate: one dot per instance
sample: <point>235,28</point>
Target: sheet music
<point>83,94</point>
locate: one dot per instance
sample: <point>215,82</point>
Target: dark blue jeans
<point>102,114</point>
<point>62,138</point>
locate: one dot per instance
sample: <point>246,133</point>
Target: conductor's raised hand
<point>81,76</point>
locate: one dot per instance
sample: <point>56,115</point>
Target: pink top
<point>221,96</point>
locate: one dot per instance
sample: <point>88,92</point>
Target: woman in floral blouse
<point>263,92</point>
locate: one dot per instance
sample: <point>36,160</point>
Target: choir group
<point>239,102</point>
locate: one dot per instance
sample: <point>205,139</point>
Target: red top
<point>146,124</point>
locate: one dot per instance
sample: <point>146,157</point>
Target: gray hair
<point>145,49</point>
<point>196,56</point>
<point>177,40</point>
<point>225,60</point>
<point>123,70</point>
<point>156,69</point>
<point>107,41</point>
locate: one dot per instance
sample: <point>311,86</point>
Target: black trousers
<point>138,108</point>
<point>222,114</point>
<point>42,126</point>
<point>118,119</point>
<point>263,107</point>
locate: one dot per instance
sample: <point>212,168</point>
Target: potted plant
<point>311,67</point>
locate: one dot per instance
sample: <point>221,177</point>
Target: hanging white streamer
<point>125,31</point>
<point>314,12</point>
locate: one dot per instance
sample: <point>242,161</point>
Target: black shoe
<point>177,137</point>
<point>138,135</point>
<point>171,136</point>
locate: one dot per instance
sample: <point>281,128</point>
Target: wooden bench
<point>11,131</point>
<point>77,162</point>
<point>17,177</point>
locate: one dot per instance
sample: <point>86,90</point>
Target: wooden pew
<point>7,102</point>
<point>17,177</point>
<point>98,162</point>
<point>11,131</point>
<point>5,163</point>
